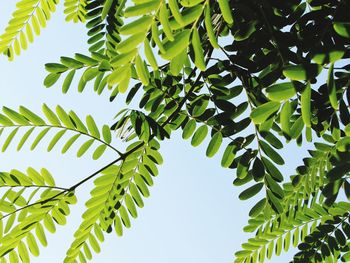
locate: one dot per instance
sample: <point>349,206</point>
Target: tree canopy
<point>248,76</point>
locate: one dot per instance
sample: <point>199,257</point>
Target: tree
<point>246,74</point>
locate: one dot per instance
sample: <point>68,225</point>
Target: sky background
<point>193,214</point>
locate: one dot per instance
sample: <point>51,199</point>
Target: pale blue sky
<point>193,214</point>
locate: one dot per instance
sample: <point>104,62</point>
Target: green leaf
<point>274,187</point>
<point>84,147</point>
<point>285,114</point>
<point>198,51</point>
<point>305,101</point>
<point>325,57</point>
<point>229,155</point>
<point>55,139</point>
<point>50,115</point>
<point>106,133</point>
<point>297,128</point>
<point>139,25</point>
<point>281,91</point>
<point>106,7</point>
<point>342,28</point>
<point>199,135</point>
<point>332,91</point>
<point>189,129</point>
<point>226,11</point>
<point>15,116</point>
<point>175,10</point>
<point>99,151</point>
<point>32,245</point>
<point>24,138</point>
<point>38,138</point>
<point>130,205</point>
<point>164,20</point>
<point>209,27</point>
<point>257,208</point>
<point>264,111</point>
<point>141,70</point>
<point>149,55</point>
<point>141,8</point>
<point>9,139</point>
<point>251,191</point>
<point>118,226</point>
<point>55,67</point>
<point>270,152</point>
<point>214,144</point>
<point>92,127</point>
<point>69,143</point>
<point>131,43</point>
<point>173,48</point>
<point>302,72</point>
<point>64,117</point>
<point>258,170</point>
<point>274,202</point>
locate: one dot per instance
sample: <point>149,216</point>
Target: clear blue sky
<point>193,214</point>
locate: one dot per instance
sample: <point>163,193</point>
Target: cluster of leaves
<point>247,74</point>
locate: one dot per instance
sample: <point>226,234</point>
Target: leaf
<point>106,133</point>
<point>274,187</point>
<point>332,91</point>
<point>209,27</point>
<point>50,115</point>
<point>342,29</point>
<point>32,245</point>
<point>24,138</point>
<point>164,20</point>
<point>67,81</point>
<point>99,151</point>
<point>9,139</point>
<point>325,57</point>
<point>38,138</point>
<point>173,48</point>
<point>118,226</point>
<point>302,72</point>
<point>258,170</point>
<point>15,116</point>
<point>106,7</point>
<point>131,43</point>
<point>214,144</point>
<point>285,114</point>
<point>130,205</point>
<point>189,129</point>
<point>257,208</point>
<point>305,101</point>
<point>199,135</point>
<point>281,91</point>
<point>198,51</point>
<point>69,143</point>
<point>141,70</point>
<point>92,127</point>
<point>175,10</point>
<point>264,111</point>
<point>139,25</point>
<point>226,11</point>
<point>55,139</point>
<point>149,55</point>
<point>274,201</point>
<point>270,152</point>
<point>251,191</point>
<point>83,148</point>
<point>229,155</point>
<point>141,8</point>
<point>55,67</point>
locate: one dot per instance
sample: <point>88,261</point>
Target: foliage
<point>243,74</point>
